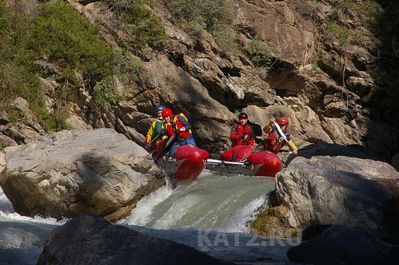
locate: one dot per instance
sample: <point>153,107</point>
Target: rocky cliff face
<point>316,61</point>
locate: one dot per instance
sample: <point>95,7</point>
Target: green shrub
<point>211,11</point>
<point>261,55</point>
<point>196,25</point>
<point>13,116</point>
<point>127,65</point>
<point>66,39</point>
<point>216,16</point>
<point>104,94</point>
<point>225,37</point>
<point>138,21</point>
<point>53,121</point>
<point>58,43</point>
<point>334,31</point>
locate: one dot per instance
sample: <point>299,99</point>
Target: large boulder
<point>344,245</point>
<point>333,184</point>
<point>66,173</point>
<point>93,240</point>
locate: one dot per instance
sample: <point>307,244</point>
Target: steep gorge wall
<point>292,57</point>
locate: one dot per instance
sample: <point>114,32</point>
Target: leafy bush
<point>212,12</point>
<point>127,65</point>
<point>16,74</point>
<point>332,30</point>
<point>53,122</point>
<point>261,55</point>
<point>225,37</point>
<point>56,43</point>
<point>136,19</point>
<point>66,39</point>
<point>367,10</point>
<point>216,16</point>
<point>104,94</point>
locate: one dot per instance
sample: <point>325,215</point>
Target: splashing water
<point>212,202</point>
<point>211,205</point>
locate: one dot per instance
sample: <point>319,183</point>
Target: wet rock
<point>93,240</point>
<point>343,245</point>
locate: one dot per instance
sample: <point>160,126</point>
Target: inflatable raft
<point>187,162</point>
<point>262,163</point>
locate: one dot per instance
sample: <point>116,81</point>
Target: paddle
<point>223,162</point>
<point>148,146</point>
<point>282,134</point>
<point>167,147</point>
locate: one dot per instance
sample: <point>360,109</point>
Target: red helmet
<point>243,115</point>
<point>166,113</point>
<point>283,121</point>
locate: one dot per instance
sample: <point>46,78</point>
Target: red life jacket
<point>179,121</point>
<point>238,132</point>
<point>274,142</point>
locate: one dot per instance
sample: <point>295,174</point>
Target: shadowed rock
<point>93,240</point>
<point>343,245</point>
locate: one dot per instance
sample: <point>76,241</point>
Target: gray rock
<point>2,162</point>
<point>6,141</point>
<point>332,187</point>
<point>63,174</point>
<point>344,245</point>
<point>21,133</point>
<point>92,240</point>
<point>22,105</point>
<point>77,123</point>
<point>4,118</point>
<point>395,161</point>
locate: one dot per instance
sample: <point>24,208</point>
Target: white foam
<point>14,217</point>
<point>7,213</point>
<point>140,215</point>
<point>178,209</point>
<point>241,219</point>
<point>5,204</point>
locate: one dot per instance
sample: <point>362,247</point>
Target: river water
<point>211,214</point>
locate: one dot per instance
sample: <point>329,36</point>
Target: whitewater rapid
<point>221,203</point>
<point>21,237</point>
<point>211,214</point>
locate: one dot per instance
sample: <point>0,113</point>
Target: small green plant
<point>334,31</point>
<point>56,43</point>
<point>127,66</point>
<point>104,94</point>
<point>216,16</point>
<point>13,116</point>
<point>261,55</point>
<point>196,25</point>
<point>225,37</point>
<point>212,12</point>
<point>142,26</point>
<point>52,122</point>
